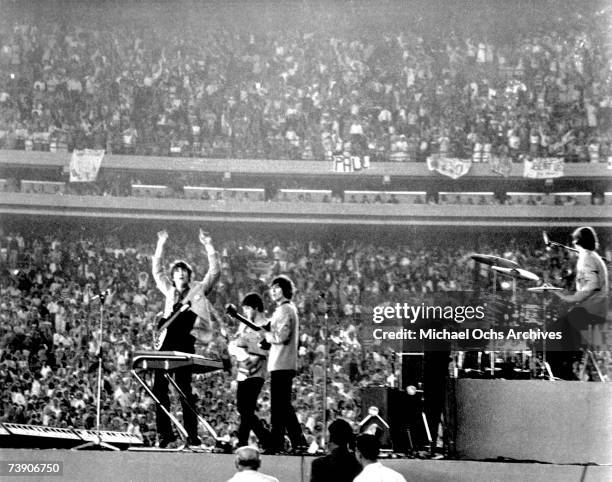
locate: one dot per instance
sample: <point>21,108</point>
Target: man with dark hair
<point>251,369</point>
<point>282,365</point>
<point>248,462</point>
<point>590,301</point>
<point>592,287</point>
<point>586,238</point>
<point>182,333</point>
<point>368,448</point>
<point>340,464</point>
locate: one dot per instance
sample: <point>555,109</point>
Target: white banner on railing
<point>501,165</point>
<point>543,168</point>
<point>449,166</point>
<point>85,164</point>
<point>345,163</point>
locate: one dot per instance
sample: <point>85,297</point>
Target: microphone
<point>549,243</point>
<point>412,390</point>
<point>101,295</point>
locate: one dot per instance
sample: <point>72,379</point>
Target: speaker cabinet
<point>396,408</point>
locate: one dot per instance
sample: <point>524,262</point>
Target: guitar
<point>164,324</point>
<point>232,311</point>
<point>247,363</point>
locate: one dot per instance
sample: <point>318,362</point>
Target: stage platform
<point>556,422</point>
<point>206,467</point>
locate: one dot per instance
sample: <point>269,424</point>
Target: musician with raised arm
<point>589,301</point>
<point>181,334</point>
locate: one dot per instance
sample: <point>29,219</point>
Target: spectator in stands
<point>279,95</point>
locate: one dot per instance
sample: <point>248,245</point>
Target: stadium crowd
<point>497,83</point>
<point>49,320</point>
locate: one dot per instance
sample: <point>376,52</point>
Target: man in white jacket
<point>282,365</point>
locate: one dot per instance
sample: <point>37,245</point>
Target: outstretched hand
<point>205,239</point>
<point>162,236</point>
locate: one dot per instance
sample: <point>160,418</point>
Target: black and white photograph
<point>306,240</point>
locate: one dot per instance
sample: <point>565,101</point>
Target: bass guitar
<point>164,324</point>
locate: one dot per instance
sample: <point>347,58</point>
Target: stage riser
<point>30,442</point>
<point>547,421</point>
<point>14,435</point>
<point>141,466</point>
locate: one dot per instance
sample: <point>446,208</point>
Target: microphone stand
<point>324,308</point>
<point>97,442</point>
<point>553,244</point>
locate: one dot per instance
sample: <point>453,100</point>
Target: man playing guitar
<point>182,330</point>
<point>247,350</point>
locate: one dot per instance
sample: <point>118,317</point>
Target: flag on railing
<point>449,166</point>
<point>501,165</point>
<point>85,164</point>
<point>543,167</point>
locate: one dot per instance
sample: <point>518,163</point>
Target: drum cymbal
<point>517,273</point>
<point>545,287</point>
<point>494,260</point>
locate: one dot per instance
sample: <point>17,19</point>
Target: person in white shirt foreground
<point>367,451</point>
<point>248,462</point>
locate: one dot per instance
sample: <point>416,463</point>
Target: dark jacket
<point>340,465</point>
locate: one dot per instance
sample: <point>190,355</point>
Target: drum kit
<point>525,362</point>
<point>529,359</point>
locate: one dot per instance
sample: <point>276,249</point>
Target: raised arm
<point>162,281</point>
<point>214,267</point>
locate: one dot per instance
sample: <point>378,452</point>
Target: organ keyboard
<point>167,361</point>
<point>172,360</point>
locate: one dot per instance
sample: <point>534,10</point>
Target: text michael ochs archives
<point>449,324</point>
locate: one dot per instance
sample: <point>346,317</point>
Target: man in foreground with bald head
<point>248,463</point>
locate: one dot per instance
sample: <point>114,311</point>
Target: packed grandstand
<point>310,79</point>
